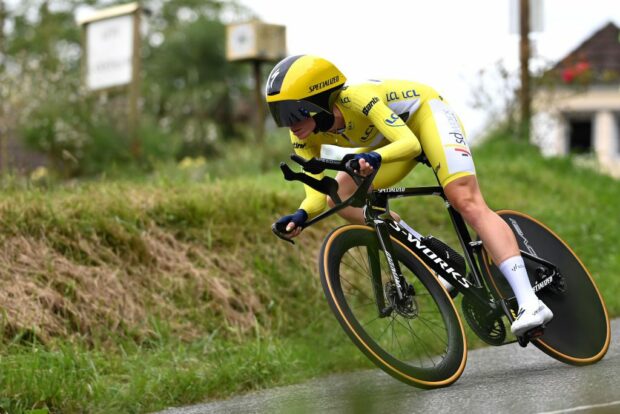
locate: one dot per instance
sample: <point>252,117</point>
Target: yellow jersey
<point>382,116</point>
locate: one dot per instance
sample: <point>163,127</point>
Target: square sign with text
<point>110,44</point>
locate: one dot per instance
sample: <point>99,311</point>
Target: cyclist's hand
<point>369,161</point>
<point>291,224</point>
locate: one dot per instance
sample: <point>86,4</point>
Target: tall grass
<point>137,293</point>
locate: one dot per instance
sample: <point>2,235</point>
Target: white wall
<point>550,125</point>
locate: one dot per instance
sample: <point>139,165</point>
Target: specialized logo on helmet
<point>272,78</point>
<point>324,84</point>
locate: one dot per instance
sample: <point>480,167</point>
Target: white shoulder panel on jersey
<point>408,107</point>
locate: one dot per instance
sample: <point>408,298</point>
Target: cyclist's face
<point>303,128</point>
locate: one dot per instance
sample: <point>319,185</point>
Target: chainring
<point>490,329</point>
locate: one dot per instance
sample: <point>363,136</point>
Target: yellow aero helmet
<point>301,86</point>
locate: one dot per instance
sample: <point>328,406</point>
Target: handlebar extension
<point>326,185</point>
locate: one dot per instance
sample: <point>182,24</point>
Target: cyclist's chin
<point>301,134</point>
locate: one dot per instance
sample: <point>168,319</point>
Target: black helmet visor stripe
<point>286,113</point>
<point>277,75</point>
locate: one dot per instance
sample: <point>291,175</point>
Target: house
<point>578,104</point>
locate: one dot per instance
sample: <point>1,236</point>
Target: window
<point>580,135</point>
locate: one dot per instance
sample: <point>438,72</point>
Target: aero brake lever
<point>274,229</point>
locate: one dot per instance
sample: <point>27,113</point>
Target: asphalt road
<point>507,379</point>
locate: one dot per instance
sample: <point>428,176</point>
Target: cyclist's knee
<point>330,202</point>
<point>465,196</point>
<point>346,187</point>
<point>471,208</point>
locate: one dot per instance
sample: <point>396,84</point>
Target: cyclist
<point>388,124</point>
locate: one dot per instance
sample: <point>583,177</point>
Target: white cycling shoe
<point>531,317</point>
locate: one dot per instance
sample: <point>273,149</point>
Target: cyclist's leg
<point>464,195</point>
<point>444,142</point>
<point>388,175</point>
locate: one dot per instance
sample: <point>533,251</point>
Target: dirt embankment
<point>129,274</point>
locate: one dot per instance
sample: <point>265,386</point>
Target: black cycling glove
<point>299,217</point>
<point>372,158</point>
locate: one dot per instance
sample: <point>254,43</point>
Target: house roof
<point>601,52</point>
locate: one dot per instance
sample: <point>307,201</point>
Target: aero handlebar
<point>326,185</point>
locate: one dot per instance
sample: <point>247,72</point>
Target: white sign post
<point>111,56</point>
<point>109,52</point>
<point>256,42</point>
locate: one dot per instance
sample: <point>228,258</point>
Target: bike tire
<point>579,333</point>
<point>438,330</point>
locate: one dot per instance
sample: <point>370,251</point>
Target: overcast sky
<point>440,42</point>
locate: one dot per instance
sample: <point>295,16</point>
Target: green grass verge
<point>205,302</point>
<point>71,379</point>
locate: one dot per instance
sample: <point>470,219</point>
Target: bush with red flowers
<point>579,71</point>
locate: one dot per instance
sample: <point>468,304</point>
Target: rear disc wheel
<point>579,333</point>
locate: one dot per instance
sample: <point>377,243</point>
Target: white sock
<point>409,229</point>
<point>514,271</point>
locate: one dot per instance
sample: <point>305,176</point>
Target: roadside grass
<point>71,378</point>
<point>135,293</point>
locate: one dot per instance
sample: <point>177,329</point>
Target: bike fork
<point>401,286</point>
<point>374,263</point>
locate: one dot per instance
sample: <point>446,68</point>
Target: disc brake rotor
<point>406,307</point>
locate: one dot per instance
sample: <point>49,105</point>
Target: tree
<point>189,90</point>
<point>192,85</point>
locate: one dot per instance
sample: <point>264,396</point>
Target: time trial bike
<point>381,282</point>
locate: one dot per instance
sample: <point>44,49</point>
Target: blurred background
<point>187,95</point>
<point>139,178</point>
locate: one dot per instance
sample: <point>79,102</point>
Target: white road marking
<point>581,408</point>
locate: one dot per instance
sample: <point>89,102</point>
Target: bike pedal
<point>535,333</point>
<point>523,341</point>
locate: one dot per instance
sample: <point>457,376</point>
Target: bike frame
<point>377,215</point>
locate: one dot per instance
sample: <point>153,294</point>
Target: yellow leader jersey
<point>381,116</point>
